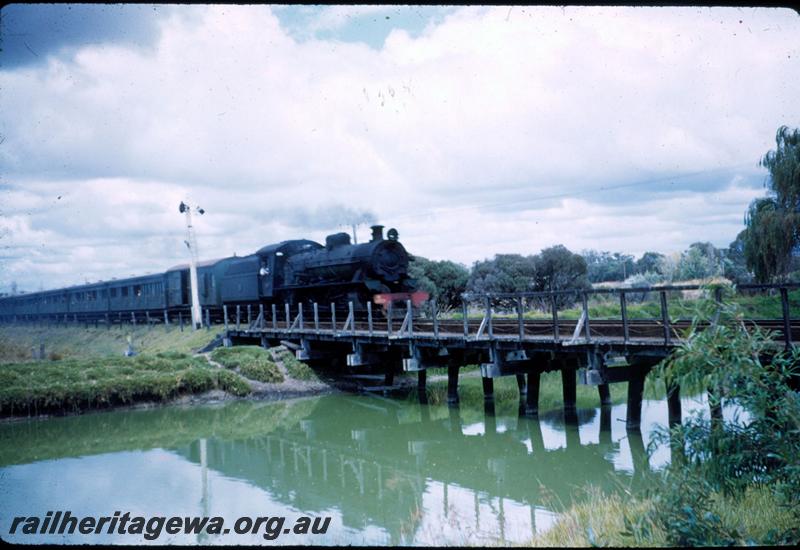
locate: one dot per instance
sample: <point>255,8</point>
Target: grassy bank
<point>16,342</point>
<point>254,362</point>
<point>72,385</point>
<point>296,368</point>
<point>619,520</point>
<point>85,368</point>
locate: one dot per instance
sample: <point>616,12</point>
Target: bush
<point>730,458</point>
<point>296,368</point>
<point>262,370</point>
<point>172,355</point>
<point>232,383</point>
<point>233,358</point>
<point>648,278</point>
<point>251,361</point>
<point>199,380</point>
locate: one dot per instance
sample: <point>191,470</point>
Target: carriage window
<point>113,292</point>
<point>137,290</point>
<point>124,291</point>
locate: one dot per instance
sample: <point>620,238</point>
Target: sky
<point>472,130</point>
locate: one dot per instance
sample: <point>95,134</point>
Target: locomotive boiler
<point>305,271</point>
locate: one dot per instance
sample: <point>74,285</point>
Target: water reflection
<point>387,471</point>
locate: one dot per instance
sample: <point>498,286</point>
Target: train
<point>290,272</point>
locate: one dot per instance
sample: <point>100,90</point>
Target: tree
<point>784,169</point>
<point>701,261</point>
<point>734,262</point>
<point>767,242</point>
<point>650,262</point>
<point>504,273</point>
<point>607,266</point>
<point>557,269</point>
<point>773,222</point>
<point>444,280</point>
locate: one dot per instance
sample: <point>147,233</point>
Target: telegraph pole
<point>191,244</point>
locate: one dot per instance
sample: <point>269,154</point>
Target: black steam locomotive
<point>291,272</point>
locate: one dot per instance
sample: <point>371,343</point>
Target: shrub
<point>198,380</point>
<point>731,457</point>
<point>262,370</point>
<point>233,358</point>
<point>296,368</point>
<point>233,383</point>
<point>172,355</point>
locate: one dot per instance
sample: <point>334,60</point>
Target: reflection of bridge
<point>376,467</point>
<point>599,351</point>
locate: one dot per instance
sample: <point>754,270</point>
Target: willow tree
<point>767,243</point>
<point>773,222</point>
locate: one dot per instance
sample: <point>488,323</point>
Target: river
<point>385,470</point>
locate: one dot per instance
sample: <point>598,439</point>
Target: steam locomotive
<point>292,272</point>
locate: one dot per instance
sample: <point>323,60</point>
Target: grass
<point>86,368</point>
<point>253,362</point>
<point>620,519</point>
<point>506,392</point>
<point>80,384</point>
<point>680,306</point>
<point>72,342</point>
<point>296,368</point>
<point>600,521</point>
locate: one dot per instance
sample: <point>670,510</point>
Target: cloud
<point>482,130</point>
<point>31,33</point>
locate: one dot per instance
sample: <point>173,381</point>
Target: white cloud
<point>488,106</point>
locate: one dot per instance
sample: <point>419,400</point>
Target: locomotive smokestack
<point>377,232</point>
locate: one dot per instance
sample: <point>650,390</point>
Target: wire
<point>571,193</point>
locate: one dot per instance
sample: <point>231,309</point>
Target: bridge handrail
<point>615,290</point>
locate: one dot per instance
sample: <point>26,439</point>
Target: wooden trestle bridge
<point>497,333</point>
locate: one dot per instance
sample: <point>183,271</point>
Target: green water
<point>386,471</point>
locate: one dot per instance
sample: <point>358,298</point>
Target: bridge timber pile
<point>595,352</point>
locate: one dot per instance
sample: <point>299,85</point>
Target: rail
<point>563,317</point>
<point>519,316</point>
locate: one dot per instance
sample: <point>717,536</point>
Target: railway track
<point>500,326</point>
